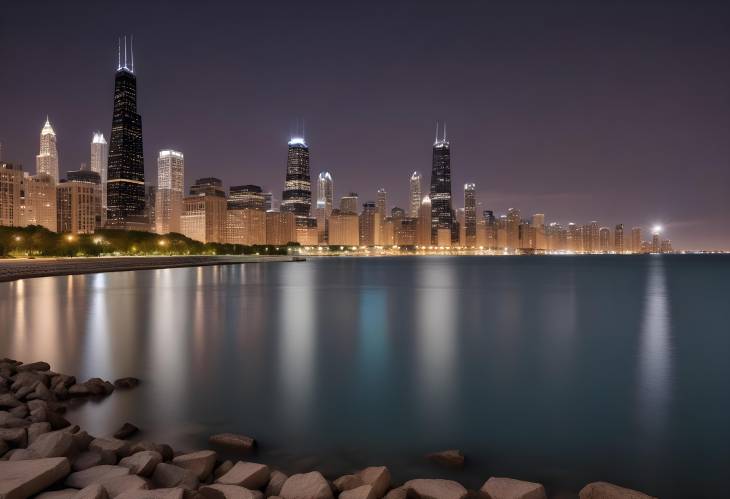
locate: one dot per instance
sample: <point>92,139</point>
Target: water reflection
<point>655,352</point>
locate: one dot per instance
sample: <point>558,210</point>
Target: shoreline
<point>27,268</point>
<point>44,455</point>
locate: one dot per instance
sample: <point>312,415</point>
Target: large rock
<point>8,401</point>
<point>8,420</point>
<point>509,488</point>
<point>248,475</point>
<point>361,492</point>
<point>119,447</point>
<point>436,489</point>
<point>378,477</point>
<point>347,482</point>
<point>201,463</point>
<point>276,482</point>
<point>95,474</point>
<point>605,490</point>
<point>17,437</point>
<point>168,475</point>
<point>173,493</point>
<point>91,458</point>
<point>126,383</point>
<point>164,449</point>
<point>53,444</point>
<point>120,484</point>
<point>221,491</point>
<point>126,431</point>
<point>452,458</point>
<point>34,366</point>
<point>37,429</point>
<point>397,493</point>
<point>28,380</point>
<point>22,479</point>
<point>93,491</point>
<point>233,440</point>
<point>224,468</point>
<point>58,494</point>
<point>306,486</point>
<point>142,463</point>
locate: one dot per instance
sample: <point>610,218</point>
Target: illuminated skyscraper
<point>618,239</point>
<point>246,196</point>
<point>513,229</point>
<point>349,203</point>
<point>78,203</point>
<point>170,189</point>
<point>125,187</point>
<point>344,228</point>
<point>442,216</point>
<point>655,241</point>
<point>382,203</point>
<point>40,201</point>
<point>47,159</point>
<point>604,236</point>
<point>325,195</point>
<point>423,228</point>
<point>538,224</point>
<point>415,195</point>
<point>636,240</point>
<point>99,164</point>
<point>11,184</point>
<point>470,215</point>
<point>369,224</point>
<point>297,195</point>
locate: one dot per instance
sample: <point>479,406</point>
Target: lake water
<point>562,370</point>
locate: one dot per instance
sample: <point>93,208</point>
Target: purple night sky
<point>611,111</point>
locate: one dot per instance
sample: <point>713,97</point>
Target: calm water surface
<point>562,370</point>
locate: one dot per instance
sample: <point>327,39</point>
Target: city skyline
<point>576,183</point>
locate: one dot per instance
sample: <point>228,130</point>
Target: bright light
<point>162,242</point>
<point>98,240</point>
<point>657,229</point>
<point>297,141</point>
<point>18,238</point>
<point>69,238</point>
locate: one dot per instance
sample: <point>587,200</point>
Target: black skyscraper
<point>441,215</point>
<point>297,196</point>
<point>125,179</point>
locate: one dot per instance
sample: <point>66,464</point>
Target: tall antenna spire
<point>436,137</point>
<point>119,54</point>
<point>125,52</point>
<point>131,49</point>
<point>444,131</point>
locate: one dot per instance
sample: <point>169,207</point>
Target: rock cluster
<point>43,455</point>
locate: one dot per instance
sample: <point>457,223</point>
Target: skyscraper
<point>470,214</point>
<point>512,228</point>
<point>170,189</point>
<point>382,202</point>
<point>325,195</point>
<point>440,193</point>
<point>125,178</point>
<point>11,184</point>
<point>604,236</point>
<point>636,240</point>
<point>99,164</point>
<point>369,224</point>
<point>423,227</point>
<point>414,195</point>
<point>297,195</point>
<point>618,238</point>
<point>538,224</point>
<point>349,203</point>
<point>47,159</point>
<point>246,196</point>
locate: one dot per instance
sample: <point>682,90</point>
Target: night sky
<point>615,111</point>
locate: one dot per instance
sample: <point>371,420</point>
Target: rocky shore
<point>11,270</point>
<point>43,455</point>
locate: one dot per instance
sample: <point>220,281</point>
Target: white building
<point>170,187</point>
<point>99,162</point>
<point>47,159</point>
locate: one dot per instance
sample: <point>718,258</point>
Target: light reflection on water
<point>558,370</point>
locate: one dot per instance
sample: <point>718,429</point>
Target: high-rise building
<point>208,185</point>
<point>99,164</point>
<point>170,190</point>
<point>325,196</point>
<point>270,203</point>
<point>604,237</point>
<point>440,193</point>
<point>636,240</point>
<point>369,224</point>
<point>78,202</point>
<point>281,227</point>
<point>204,217</point>
<point>245,226</point>
<point>11,182</point>
<point>415,195</point>
<point>47,159</point>
<point>150,205</point>
<point>513,229</point>
<point>655,242</point>
<point>344,228</point>
<point>349,203</point>
<point>382,203</point>
<point>423,229</point>
<point>125,188</point>
<point>470,215</point>
<point>246,196</point>
<point>40,201</point>
<point>538,224</point>
<point>666,246</point>
<point>297,196</point>
<point>618,239</point>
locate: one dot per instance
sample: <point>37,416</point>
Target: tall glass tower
<point>414,195</point>
<point>47,159</point>
<point>442,216</point>
<point>297,195</point>
<point>125,178</point>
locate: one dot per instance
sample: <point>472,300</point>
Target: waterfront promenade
<point>25,268</point>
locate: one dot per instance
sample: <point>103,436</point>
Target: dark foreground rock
<point>126,431</point>
<point>509,488</point>
<point>306,486</point>
<point>436,489</point>
<point>21,479</point>
<point>451,458</point>
<point>233,440</point>
<point>605,490</point>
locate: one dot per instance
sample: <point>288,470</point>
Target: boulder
<point>19,480</point>
<point>119,484</point>
<point>239,442</point>
<point>378,477</point>
<point>34,366</point>
<point>509,488</point>
<point>347,482</point>
<point>276,482</point>
<point>142,463</point>
<point>452,458</point>
<point>21,455</point>
<point>361,492</point>
<point>93,491</point>
<point>35,430</point>
<point>25,390</point>
<point>91,458</point>
<point>95,474</point>
<point>53,444</point>
<point>248,475</point>
<point>221,491</point>
<point>397,493</point>
<point>82,440</point>
<point>436,489</point>
<point>119,447</point>
<point>164,449</point>
<point>173,493</point>
<point>224,468</point>
<point>17,437</point>
<point>8,420</point>
<point>27,380</point>
<point>168,475</point>
<point>58,494</point>
<point>201,462</point>
<point>8,401</point>
<point>78,390</point>
<point>126,431</point>
<point>306,486</point>
<point>126,383</point>
<point>41,392</point>
<point>605,490</point>
<point>3,448</point>
<point>20,412</point>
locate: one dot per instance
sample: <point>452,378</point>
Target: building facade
<point>246,196</point>
<point>204,218</point>
<point>344,228</point>
<point>440,193</point>
<point>47,159</point>
<point>39,201</point>
<point>325,197</point>
<point>245,226</point>
<point>414,195</point>
<point>470,215</point>
<point>170,190</point>
<point>99,164</point>
<point>280,227</point>
<point>297,195</point>
<point>11,181</point>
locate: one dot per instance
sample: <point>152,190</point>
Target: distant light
<point>297,141</point>
<point>657,229</point>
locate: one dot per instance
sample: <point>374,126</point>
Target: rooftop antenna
<point>119,54</point>
<point>436,137</point>
<point>444,131</point>
<point>125,52</point>
<point>131,49</point>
